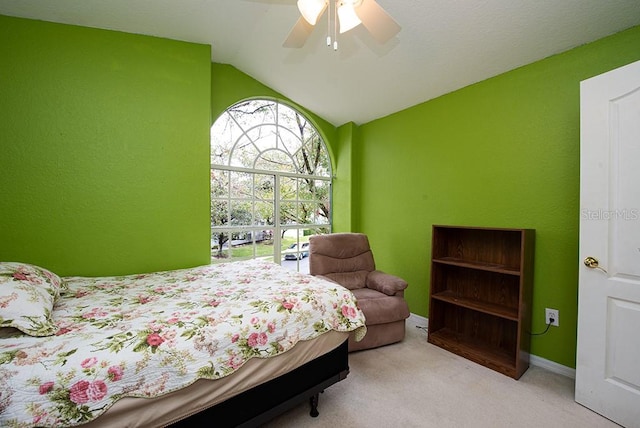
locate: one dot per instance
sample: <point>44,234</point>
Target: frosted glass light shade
<point>311,10</point>
<point>347,17</point>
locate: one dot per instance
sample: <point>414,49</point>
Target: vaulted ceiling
<point>443,44</point>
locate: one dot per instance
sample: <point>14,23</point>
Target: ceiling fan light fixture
<point>311,10</point>
<point>347,16</point>
<point>343,15</point>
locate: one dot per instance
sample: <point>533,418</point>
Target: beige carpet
<point>416,384</point>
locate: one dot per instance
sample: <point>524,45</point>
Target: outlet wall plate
<point>552,314</point>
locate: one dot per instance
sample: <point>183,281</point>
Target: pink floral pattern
<point>150,334</point>
<point>27,296</point>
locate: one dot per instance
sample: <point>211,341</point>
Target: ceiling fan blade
<point>375,19</point>
<point>299,34</point>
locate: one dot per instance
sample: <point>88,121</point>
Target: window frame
<point>277,226</point>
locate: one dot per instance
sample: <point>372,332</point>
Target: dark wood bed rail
<point>262,403</point>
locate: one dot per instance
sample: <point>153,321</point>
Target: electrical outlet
<point>552,316</point>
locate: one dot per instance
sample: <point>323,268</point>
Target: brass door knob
<point>592,263</point>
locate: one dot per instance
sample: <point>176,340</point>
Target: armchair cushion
<point>378,308</point>
<point>385,283</point>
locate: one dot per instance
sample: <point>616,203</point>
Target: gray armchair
<point>346,258</point>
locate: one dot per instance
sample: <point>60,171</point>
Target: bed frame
<point>262,403</point>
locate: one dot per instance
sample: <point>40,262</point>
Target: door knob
<point>592,263</point>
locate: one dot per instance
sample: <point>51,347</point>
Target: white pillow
<point>27,296</point>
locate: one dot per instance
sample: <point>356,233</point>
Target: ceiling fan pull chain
<point>329,24</point>
<point>335,25</point>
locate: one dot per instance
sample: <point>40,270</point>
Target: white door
<point>608,353</point>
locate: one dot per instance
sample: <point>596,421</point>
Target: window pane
<point>264,187</point>
<point>264,243</point>
<point>323,198</point>
<point>241,185</point>
<point>241,213</point>
<point>295,245</point>
<point>312,158</point>
<point>322,214</point>
<point>288,213</point>
<point>219,212</point>
<point>306,212</point>
<point>306,189</point>
<point>219,183</point>
<point>295,248</point>
<point>242,247</point>
<point>264,214</point>
<point>288,189</point>
<point>219,246</point>
<point>322,191</point>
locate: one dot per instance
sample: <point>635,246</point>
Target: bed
<point>231,344</point>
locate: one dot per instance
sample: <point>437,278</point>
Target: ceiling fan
<point>344,15</point>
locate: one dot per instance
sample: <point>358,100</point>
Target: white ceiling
<point>443,45</point>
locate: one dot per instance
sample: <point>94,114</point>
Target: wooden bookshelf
<point>481,283</point>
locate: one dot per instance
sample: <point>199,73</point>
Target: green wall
<point>342,202</point>
<point>500,153</point>
<point>104,139</point>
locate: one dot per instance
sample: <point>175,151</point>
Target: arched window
<point>270,184</point>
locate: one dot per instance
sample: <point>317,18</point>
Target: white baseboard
<point>419,319</point>
<point>534,360</point>
<point>552,366</point>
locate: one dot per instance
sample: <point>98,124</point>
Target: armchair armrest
<point>385,283</point>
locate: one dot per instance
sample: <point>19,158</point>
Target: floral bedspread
<point>147,335</point>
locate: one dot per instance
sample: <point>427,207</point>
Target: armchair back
<point>345,258</point>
